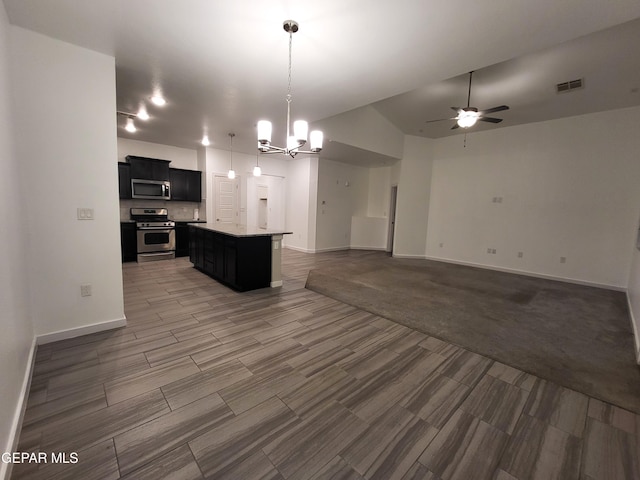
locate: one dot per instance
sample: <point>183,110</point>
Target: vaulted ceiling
<point>222,66</point>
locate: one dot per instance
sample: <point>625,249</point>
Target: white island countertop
<point>236,230</point>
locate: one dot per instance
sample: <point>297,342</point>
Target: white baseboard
<point>527,273</point>
<point>635,330</point>
<point>378,249</point>
<point>16,425</point>
<point>277,283</point>
<point>298,249</point>
<point>84,330</point>
<point>332,249</point>
<point>319,250</point>
<point>402,255</point>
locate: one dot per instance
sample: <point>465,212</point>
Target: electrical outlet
<point>520,254</point>
<point>493,251</point>
<point>85,290</point>
<point>563,259</point>
<point>441,245</point>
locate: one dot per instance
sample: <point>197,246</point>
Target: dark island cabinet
<point>128,241</point>
<point>186,185</point>
<point>124,180</point>
<point>148,168</point>
<point>242,263</point>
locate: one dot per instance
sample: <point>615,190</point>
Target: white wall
<point>569,188</point>
<point>276,200</point>
<point>180,157</point>
<point>301,188</point>
<point>64,112</point>
<point>370,231</point>
<point>342,193</point>
<point>364,128</point>
<point>379,192</point>
<point>414,186</point>
<point>15,316</point>
<point>633,295</point>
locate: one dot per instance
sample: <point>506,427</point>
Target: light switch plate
<point>85,213</point>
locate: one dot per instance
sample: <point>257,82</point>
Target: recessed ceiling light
<point>158,100</point>
<point>205,141</point>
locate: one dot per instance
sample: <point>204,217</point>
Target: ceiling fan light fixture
<point>467,118</point>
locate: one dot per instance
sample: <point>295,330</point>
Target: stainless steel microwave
<point>150,189</point>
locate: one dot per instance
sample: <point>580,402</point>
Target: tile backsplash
<point>180,211</point>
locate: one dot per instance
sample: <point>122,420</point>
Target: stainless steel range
<point>156,234</point>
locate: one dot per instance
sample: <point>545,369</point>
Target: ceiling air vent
<point>569,86</point>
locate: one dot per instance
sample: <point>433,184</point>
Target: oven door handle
<point>147,229</point>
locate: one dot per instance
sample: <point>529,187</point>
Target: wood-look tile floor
<point>284,383</point>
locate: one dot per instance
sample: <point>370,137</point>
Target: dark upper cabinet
<point>186,185</point>
<point>148,168</point>
<point>124,180</point>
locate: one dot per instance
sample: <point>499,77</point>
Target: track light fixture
<point>129,125</point>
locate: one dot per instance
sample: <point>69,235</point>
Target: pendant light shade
<point>257,171</point>
<point>231,174</point>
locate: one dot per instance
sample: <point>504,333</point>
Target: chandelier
<point>300,128</point>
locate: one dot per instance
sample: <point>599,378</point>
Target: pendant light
<point>257,171</point>
<point>231,174</point>
<point>300,127</point>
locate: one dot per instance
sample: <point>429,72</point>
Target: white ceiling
<point>223,65</point>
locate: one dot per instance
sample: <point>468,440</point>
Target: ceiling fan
<point>468,116</point>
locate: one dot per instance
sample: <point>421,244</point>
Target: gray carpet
<point>577,336</point>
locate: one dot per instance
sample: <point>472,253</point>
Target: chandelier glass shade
<point>297,140</point>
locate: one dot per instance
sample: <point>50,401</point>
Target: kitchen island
<point>241,257</point>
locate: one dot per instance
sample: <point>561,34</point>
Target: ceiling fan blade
<point>490,119</point>
<point>457,109</point>
<point>441,120</point>
<point>494,109</point>
<point>455,125</point>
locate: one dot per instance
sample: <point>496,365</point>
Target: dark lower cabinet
<point>182,239</point>
<point>128,241</point>
<point>242,263</point>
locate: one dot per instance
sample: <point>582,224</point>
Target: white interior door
<point>226,197</point>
